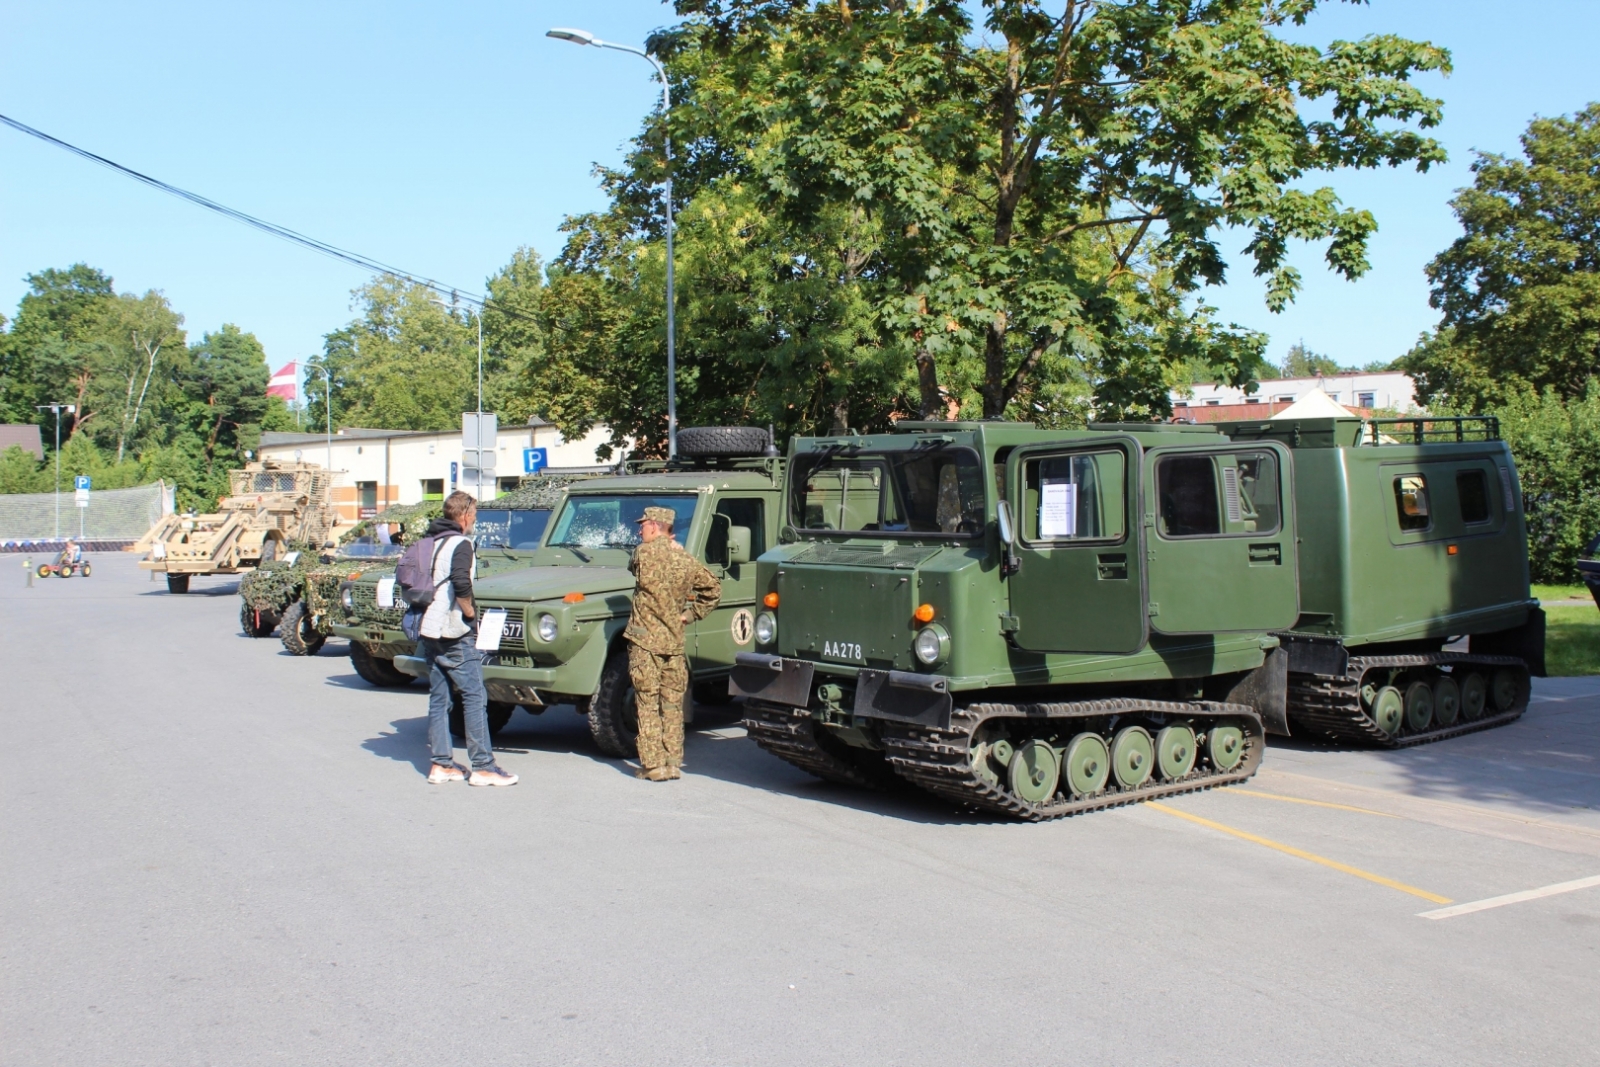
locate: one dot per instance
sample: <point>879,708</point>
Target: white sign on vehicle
<point>385,592</point>
<point>489,631</point>
<point>1058,511</point>
<point>158,551</point>
<point>743,626</point>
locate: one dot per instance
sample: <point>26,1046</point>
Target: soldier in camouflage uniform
<point>672,587</point>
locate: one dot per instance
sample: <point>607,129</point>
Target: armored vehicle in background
<point>564,613</point>
<point>1589,569</point>
<point>507,534</point>
<point>270,505</point>
<point>1039,623</point>
<point>1416,618</point>
<point>297,595</point>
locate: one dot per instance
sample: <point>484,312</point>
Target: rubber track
<point>940,761</point>
<point>1332,708</point>
<point>790,734</point>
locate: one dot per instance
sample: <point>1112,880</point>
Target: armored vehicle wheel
<point>1419,706</point>
<point>255,623</point>
<point>1388,710</point>
<point>1132,756</point>
<point>614,711</point>
<point>375,671</point>
<point>722,441</point>
<point>1225,743</point>
<point>85,570</point>
<point>1175,751</point>
<point>296,631</point>
<point>1034,771</point>
<point>1086,765</point>
<point>43,570</point>
<point>1446,700</point>
<point>177,583</point>
<point>497,713</point>
<point>1503,690</point>
<point>1474,696</point>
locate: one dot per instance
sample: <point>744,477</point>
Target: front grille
<point>364,595</point>
<point>515,636</point>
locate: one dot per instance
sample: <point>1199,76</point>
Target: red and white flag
<point>283,381</point>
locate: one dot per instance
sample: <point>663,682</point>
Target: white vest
<point>443,617</point>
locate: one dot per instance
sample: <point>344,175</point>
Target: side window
<point>1473,490</point>
<point>1258,507</point>
<point>749,512</point>
<point>1076,497</point>
<point>1411,501</point>
<point>1187,488</point>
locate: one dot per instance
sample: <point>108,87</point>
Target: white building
<point>375,468</point>
<point>1386,390</point>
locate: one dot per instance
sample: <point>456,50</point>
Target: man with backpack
<point>435,579</point>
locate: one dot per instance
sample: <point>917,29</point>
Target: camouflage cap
<point>665,516</point>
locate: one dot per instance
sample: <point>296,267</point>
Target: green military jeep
<point>561,641</point>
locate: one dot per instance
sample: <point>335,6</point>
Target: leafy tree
<point>21,473</point>
<point>1047,189</point>
<point>227,375</point>
<point>1301,362</point>
<point>1556,442</point>
<point>1519,290</point>
<point>55,325</point>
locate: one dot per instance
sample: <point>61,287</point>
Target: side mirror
<point>1007,529</point>
<point>738,545</point>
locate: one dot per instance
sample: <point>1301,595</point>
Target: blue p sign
<point>80,482</point>
<point>534,460</point>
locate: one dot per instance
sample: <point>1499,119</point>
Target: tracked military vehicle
<point>1039,623</point>
<point>1417,622</point>
<point>270,506</point>
<point>564,613</point>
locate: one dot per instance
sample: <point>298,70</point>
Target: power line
<point>280,232</point>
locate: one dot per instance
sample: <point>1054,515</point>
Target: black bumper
<point>899,696</point>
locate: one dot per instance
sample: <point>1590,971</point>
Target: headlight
<point>932,644</point>
<point>347,597</point>
<point>547,628</point>
<point>766,628</point>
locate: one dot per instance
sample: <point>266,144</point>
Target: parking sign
<point>534,460</point>
<point>81,482</point>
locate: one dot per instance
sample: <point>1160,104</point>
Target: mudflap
<point>1267,690</point>
<point>923,699</point>
<point>771,678</point>
<point>1526,642</point>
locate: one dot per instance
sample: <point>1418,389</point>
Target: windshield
<point>611,520</point>
<point>499,528</point>
<point>370,550</point>
<point>919,492</point>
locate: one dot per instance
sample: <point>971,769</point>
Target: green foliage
<point>21,473</point>
<point>1519,290</point>
<point>1301,362</point>
<point>1556,443</point>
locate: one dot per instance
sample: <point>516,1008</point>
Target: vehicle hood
<point>553,583</point>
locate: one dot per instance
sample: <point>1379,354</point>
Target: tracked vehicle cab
<point>1074,618</point>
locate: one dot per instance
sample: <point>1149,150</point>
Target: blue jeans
<point>455,661</point>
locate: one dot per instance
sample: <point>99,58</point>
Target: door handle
<point>1111,567</point>
<point>1265,554</point>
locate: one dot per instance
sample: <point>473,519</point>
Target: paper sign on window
<point>385,592</point>
<point>1058,510</point>
<point>490,631</point>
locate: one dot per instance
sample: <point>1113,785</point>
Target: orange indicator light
<point>770,600</point>
<point>572,598</point>
<point>1451,550</point>
<point>924,613</point>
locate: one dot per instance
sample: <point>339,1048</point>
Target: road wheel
<point>43,570</point>
<point>375,670</point>
<point>84,570</point>
<point>177,583</point>
<point>614,711</point>
<point>64,571</point>
<point>255,623</point>
<point>498,714</point>
<point>298,634</point>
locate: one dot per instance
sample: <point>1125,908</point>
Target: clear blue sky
<point>440,137</point>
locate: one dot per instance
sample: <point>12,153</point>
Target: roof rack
<point>1435,430</point>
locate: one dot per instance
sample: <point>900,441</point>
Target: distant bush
<point>1557,447</point>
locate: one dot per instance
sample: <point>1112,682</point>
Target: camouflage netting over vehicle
<point>276,584</point>
<point>537,491</point>
<point>411,519</point>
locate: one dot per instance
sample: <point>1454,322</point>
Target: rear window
<point>1472,487</point>
<point>1188,489</point>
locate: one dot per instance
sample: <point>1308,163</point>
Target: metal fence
<point>114,518</point>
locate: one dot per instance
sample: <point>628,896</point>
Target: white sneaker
<point>491,775</point>
<point>440,774</point>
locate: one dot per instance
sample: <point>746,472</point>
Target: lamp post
<point>56,409</point>
<point>586,38</point>
<point>479,316</point>
<point>327,394</point>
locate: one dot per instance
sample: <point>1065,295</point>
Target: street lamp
<point>479,315</point>
<point>57,408</point>
<point>587,38</point>
<point>327,394</point>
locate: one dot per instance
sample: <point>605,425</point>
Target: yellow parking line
<point>1302,854</point>
<point>1303,800</point>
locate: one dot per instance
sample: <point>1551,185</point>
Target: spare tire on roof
<point>695,441</point>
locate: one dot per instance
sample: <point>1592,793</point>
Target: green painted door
<point>1220,547</point>
<point>1078,587</point>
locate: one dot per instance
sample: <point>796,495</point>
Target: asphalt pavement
<point>217,853</point>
